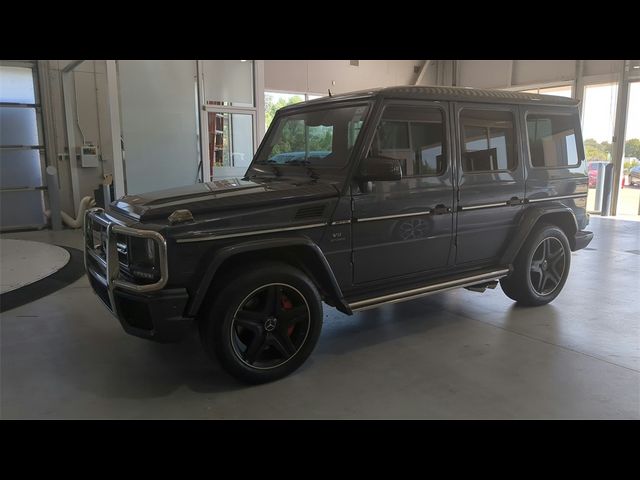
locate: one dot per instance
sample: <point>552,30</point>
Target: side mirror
<point>380,169</point>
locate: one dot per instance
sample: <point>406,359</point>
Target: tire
<point>541,267</point>
<point>264,323</point>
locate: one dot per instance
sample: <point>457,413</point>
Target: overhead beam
<point>423,70</point>
<point>72,65</point>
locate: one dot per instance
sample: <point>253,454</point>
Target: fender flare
<point>328,283</point>
<point>529,218</point>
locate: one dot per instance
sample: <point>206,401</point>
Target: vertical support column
<point>578,86</point>
<point>617,153</point>
<point>68,87</point>
<point>204,124</point>
<point>455,74</point>
<point>113,112</point>
<point>258,88</point>
<point>53,189</point>
<point>510,73</point>
<point>54,199</point>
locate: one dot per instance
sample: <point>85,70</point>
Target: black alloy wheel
<point>270,326</point>
<point>547,266</point>
<point>541,267</point>
<point>263,321</point>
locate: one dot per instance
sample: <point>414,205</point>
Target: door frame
<point>373,120</point>
<point>204,109</point>
<point>519,150</point>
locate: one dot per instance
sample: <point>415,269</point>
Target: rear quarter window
<point>553,140</point>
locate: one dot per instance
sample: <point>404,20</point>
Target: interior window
<point>414,136</point>
<point>552,140</point>
<point>488,141</point>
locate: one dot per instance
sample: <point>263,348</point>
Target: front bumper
<point>582,238</point>
<point>145,310</point>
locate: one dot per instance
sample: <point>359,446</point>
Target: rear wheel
<point>541,268</point>
<point>264,324</point>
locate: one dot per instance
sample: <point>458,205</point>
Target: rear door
<point>491,180</point>
<point>405,227</point>
<point>556,166</point>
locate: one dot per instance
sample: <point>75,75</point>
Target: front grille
<point>115,263</point>
<point>96,238</point>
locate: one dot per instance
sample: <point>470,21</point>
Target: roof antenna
<point>330,94</point>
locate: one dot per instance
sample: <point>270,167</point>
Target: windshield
<point>321,138</point>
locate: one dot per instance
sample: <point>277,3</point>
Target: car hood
<point>224,194</point>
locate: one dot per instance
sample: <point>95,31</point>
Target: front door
<point>490,181</point>
<point>405,227</point>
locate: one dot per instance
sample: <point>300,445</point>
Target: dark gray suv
<point>356,200</point>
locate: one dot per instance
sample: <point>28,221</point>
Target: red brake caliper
<point>287,305</point>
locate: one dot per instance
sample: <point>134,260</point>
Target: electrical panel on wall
<point>89,156</point>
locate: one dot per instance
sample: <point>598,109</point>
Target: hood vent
<point>312,211</point>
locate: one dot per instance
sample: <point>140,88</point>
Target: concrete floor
<point>455,355</point>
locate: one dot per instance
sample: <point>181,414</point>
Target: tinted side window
<point>552,140</point>
<point>415,136</point>
<point>488,140</point>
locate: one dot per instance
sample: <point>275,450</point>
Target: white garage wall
<point>91,94</point>
<point>484,73</point>
<point>508,73</point>
<point>524,73</point>
<point>601,67</point>
<point>317,76</point>
<point>527,72</point>
<point>158,110</point>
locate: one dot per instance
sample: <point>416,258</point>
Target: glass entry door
<point>598,119</point>
<point>21,150</point>
<point>629,197</point>
<point>230,142</point>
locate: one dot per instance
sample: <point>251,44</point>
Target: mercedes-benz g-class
<point>356,200</point>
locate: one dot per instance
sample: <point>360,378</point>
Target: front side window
<point>414,136</point>
<point>552,140</point>
<point>321,138</point>
<point>488,141</point>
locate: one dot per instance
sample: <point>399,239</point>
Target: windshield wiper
<point>306,163</point>
<point>270,163</point>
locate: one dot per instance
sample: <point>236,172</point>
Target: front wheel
<point>264,324</point>
<point>541,268</point>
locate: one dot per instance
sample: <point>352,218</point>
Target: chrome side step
<point>428,290</point>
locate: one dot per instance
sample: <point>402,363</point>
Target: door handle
<point>514,201</point>
<point>441,210</point>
